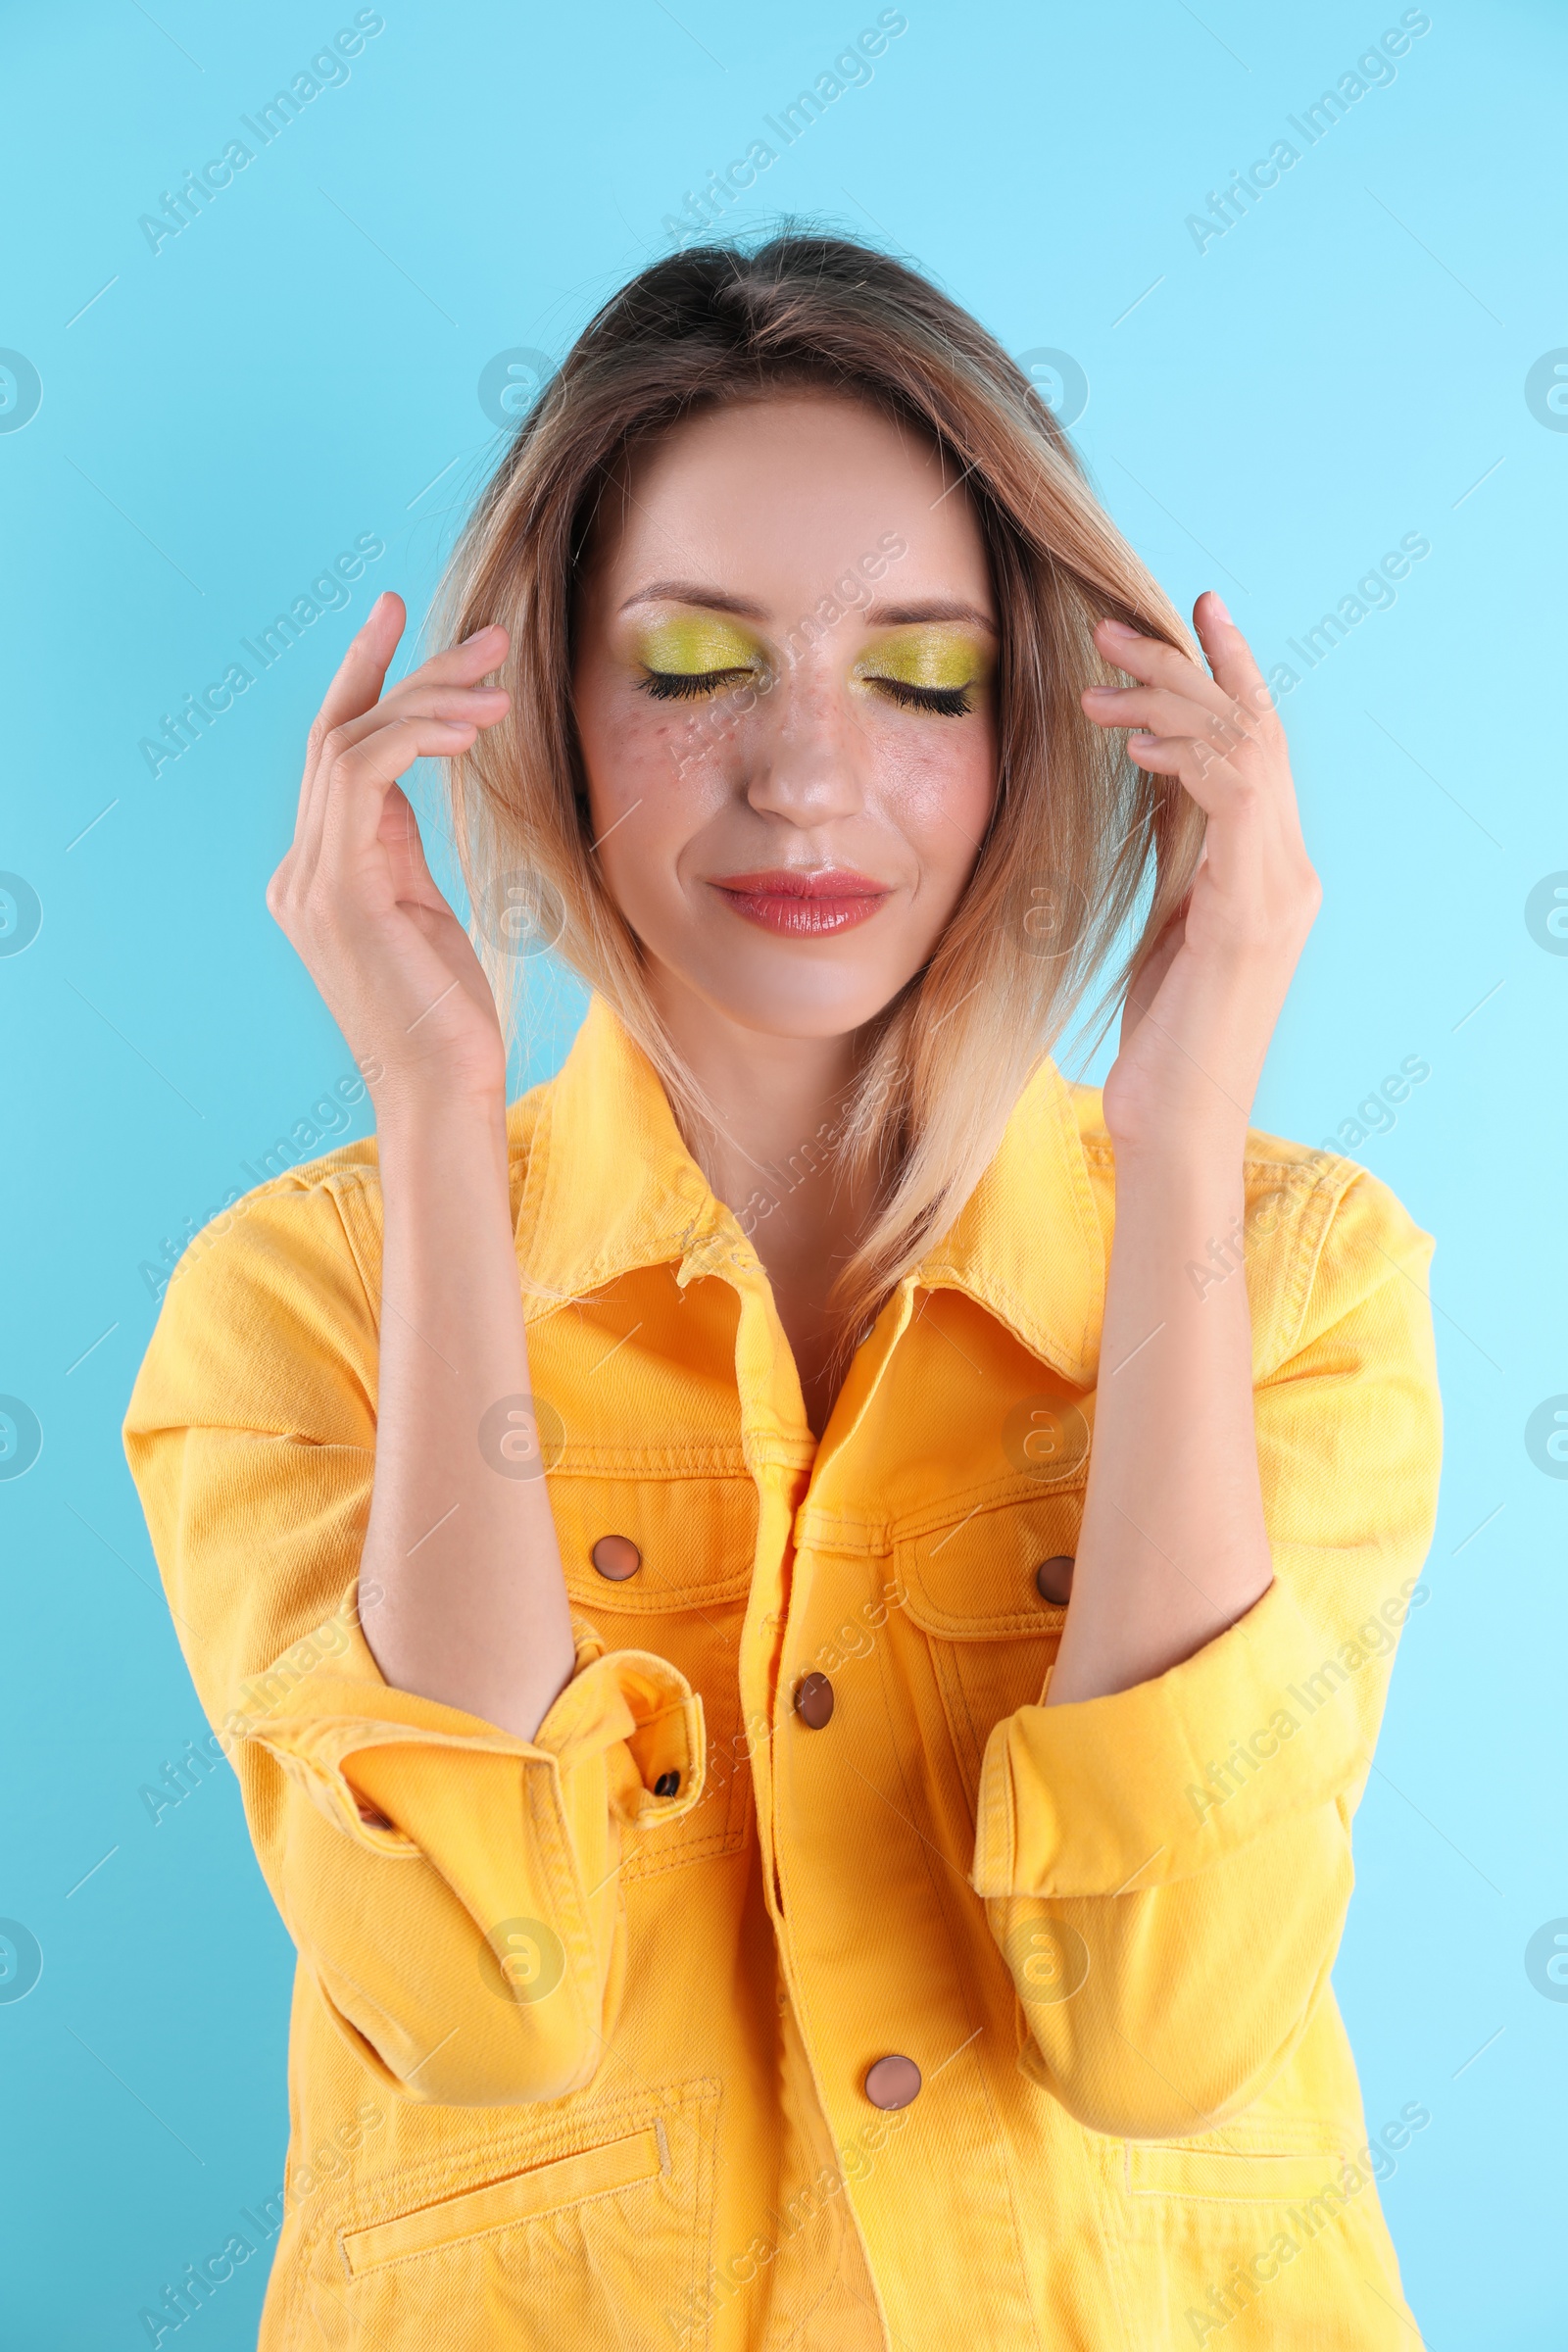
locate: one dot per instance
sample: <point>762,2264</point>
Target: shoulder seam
<point>1335,1185</point>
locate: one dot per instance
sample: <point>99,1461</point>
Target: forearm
<point>474,1610</point>
<point>1173,1546</point>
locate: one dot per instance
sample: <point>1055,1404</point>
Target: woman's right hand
<point>354,894</point>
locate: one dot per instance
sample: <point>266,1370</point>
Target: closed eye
<point>680,685</point>
<point>948,701</point>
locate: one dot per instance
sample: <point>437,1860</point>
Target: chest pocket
<point>664,1564</point>
<point>989,1592</point>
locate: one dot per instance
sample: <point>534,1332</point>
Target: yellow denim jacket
<point>588,2029</point>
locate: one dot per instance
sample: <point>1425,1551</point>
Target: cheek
<point>936,784</point>
<point>654,780</point>
<point>634,746</point>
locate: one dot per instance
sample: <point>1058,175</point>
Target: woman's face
<point>784,690</point>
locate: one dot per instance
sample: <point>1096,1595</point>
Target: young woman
<point>788,1841</point>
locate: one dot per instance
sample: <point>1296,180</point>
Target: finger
<point>357,780</point>
<point>413,697</point>
<point>425,698</point>
<point>1162,710</point>
<point>400,836</point>
<point>457,669</point>
<point>1242,841</point>
<point>1229,654</point>
<point>476,707</point>
<point>353,691</point>
<point>1250,802</point>
<point>1214,784</point>
<point>1156,663</point>
<point>351,704</point>
<point>473,705</point>
<point>362,670</point>
<point>462,664</point>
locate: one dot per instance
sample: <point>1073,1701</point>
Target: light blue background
<point>299,367</point>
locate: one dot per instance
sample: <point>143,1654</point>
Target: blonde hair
<point>1077,832</point>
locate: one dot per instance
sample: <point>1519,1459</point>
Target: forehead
<point>777,494</point>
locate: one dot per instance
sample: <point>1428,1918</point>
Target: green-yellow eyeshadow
<point>927,657</point>
<point>689,644</point>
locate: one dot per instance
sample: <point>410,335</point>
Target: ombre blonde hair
<point>1078,834</point>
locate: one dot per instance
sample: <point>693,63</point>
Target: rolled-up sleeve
<point>1168,1868</point>
<point>453,1889</point>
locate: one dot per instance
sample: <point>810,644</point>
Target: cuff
<point>1160,1781</point>
<point>325,1700</point>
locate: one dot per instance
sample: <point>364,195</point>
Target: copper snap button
<point>1054,1577</point>
<point>668,1784</point>
<point>617,1557</point>
<point>813,1700</point>
<point>892,2082</point>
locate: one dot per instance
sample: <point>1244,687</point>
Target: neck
<point>776,1104</point>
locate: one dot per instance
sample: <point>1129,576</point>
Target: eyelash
<point>947,702</point>
<point>681,686</point>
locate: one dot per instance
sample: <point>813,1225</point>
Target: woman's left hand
<point>1202,1005</point>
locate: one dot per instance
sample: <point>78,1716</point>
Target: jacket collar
<point>611,1187</point>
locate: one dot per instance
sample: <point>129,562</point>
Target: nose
<point>805,756</point>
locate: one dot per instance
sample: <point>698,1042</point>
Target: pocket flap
<point>692,1540</point>
<point>500,2204</point>
<point>973,1580</point>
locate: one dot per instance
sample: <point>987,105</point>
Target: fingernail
<point>1117,628</point>
<point>478,633</point>
<point>1219,607</point>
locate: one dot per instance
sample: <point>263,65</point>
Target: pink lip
<point>804,905</point>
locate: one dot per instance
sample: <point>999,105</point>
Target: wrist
<point>418,1125</point>
<point>1192,1154</point>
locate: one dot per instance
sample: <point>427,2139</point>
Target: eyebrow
<point>715,599</point>
<point>692,592</point>
<point>935,607</point>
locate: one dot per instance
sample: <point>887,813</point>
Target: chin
<point>781,996</point>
